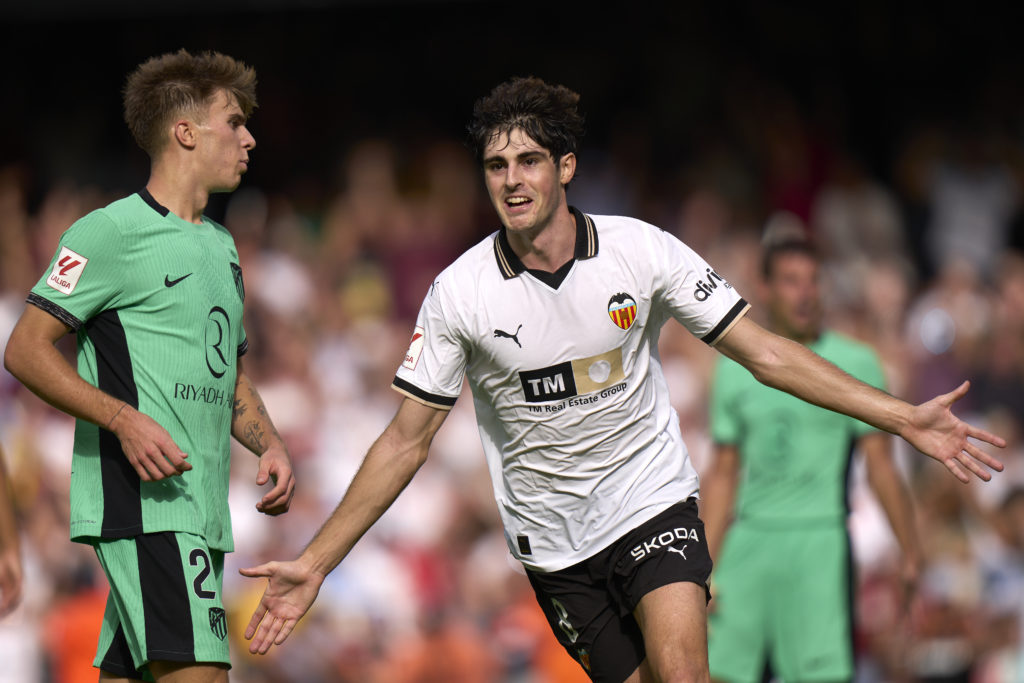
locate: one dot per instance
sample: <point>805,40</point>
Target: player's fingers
<point>262,473</point>
<point>987,437</point>
<point>159,468</point>
<point>254,622</point>
<point>263,570</point>
<point>175,457</point>
<point>157,464</point>
<point>278,499</point>
<point>140,469</point>
<point>286,630</point>
<point>955,395</point>
<point>972,466</point>
<point>980,456</point>
<point>267,635</point>
<point>148,467</point>
<point>953,466</point>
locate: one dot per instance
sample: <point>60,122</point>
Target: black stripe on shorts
<point>165,599</point>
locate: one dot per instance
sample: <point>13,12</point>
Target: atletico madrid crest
<point>622,310</point>
<point>218,622</point>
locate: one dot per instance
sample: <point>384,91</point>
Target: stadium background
<point>891,132</point>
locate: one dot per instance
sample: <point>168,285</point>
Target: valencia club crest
<point>622,310</point>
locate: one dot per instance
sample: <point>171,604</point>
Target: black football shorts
<point>590,604</point>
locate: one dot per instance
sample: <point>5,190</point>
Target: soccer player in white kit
<point>554,319</point>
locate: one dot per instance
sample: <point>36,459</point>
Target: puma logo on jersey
<point>677,550</point>
<point>513,337</point>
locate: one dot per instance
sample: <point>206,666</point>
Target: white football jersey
<point>581,440</point>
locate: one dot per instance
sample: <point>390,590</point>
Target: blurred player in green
<point>153,290</point>
<point>775,499</point>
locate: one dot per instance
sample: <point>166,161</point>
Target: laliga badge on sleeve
<point>412,356</point>
<point>67,270</point>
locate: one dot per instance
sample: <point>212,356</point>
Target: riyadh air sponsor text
<point>209,395</point>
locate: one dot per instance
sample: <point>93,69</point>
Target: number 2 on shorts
<point>197,585</point>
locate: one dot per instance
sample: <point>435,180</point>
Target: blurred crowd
<point>924,259</point>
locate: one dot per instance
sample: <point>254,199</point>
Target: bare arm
<point>10,547</point>
<point>718,495</point>
<point>892,494</point>
<point>32,357</point>
<point>387,469</point>
<point>929,427</point>
<point>252,427</point>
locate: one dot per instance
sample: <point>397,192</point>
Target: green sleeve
<point>84,277</point>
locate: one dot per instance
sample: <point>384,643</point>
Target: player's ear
<point>185,133</point>
<point>567,168</point>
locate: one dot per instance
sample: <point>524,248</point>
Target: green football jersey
<point>794,456</point>
<point>156,302</point>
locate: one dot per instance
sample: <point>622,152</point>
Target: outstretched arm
<point>929,427</point>
<point>252,427</point>
<point>32,357</point>
<point>388,467</point>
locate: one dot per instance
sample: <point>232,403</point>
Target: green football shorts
<point>165,603</point>
<point>784,598</point>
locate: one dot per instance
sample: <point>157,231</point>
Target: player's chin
<point>227,187</point>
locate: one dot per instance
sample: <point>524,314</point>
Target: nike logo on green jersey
<point>168,282</point>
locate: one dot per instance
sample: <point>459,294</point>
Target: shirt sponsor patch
<point>573,378</point>
<point>412,356</point>
<point>67,270</point>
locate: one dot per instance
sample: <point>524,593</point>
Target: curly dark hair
<point>547,113</point>
<point>181,83</point>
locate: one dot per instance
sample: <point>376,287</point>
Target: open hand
<point>291,590</point>
<point>938,433</point>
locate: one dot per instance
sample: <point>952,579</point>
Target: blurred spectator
<point>973,197</point>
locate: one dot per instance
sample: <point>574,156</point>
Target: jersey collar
<point>153,203</point>
<point>586,246</point>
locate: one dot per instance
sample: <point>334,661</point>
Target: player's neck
<point>172,190</point>
<point>547,247</point>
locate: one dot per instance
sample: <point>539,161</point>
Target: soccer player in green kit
<point>153,290</point>
<point>782,581</point>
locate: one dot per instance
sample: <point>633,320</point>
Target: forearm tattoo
<point>252,432</point>
<point>254,435</point>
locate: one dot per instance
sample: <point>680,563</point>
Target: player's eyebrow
<point>518,157</point>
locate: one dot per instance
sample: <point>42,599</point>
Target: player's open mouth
<point>517,201</point>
